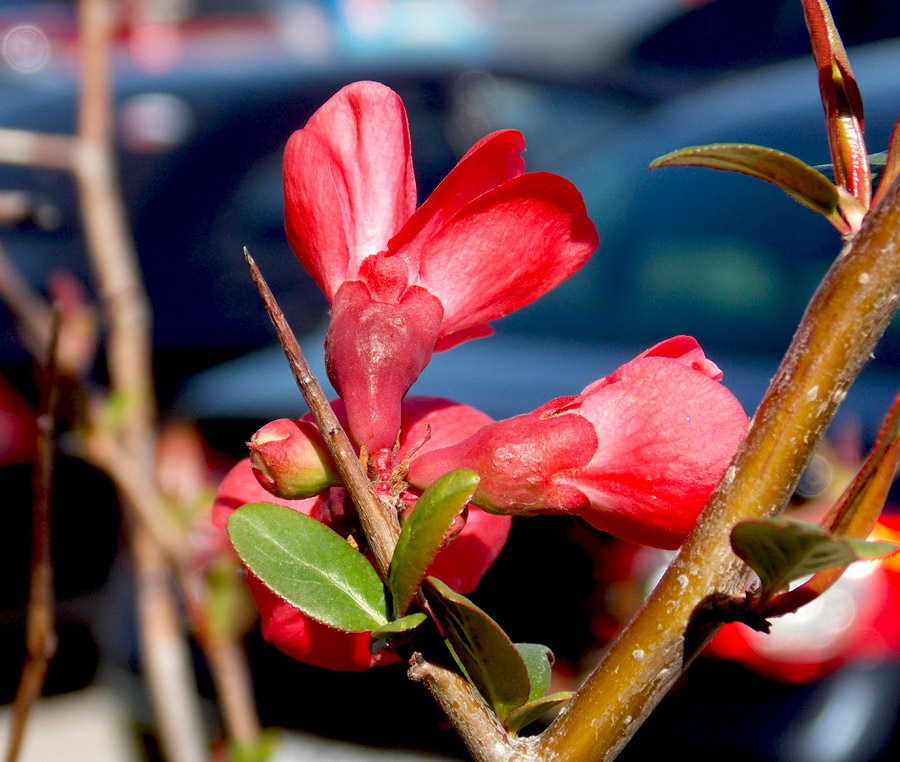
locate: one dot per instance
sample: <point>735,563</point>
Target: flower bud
<point>290,460</point>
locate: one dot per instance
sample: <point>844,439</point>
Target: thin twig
<point>165,655</point>
<point>165,651</point>
<point>35,149</point>
<point>32,312</point>
<point>40,630</point>
<point>379,521</point>
<point>476,724</point>
<point>231,676</point>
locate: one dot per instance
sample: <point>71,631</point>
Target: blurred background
<point>207,93</point>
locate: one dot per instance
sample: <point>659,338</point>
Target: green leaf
<point>537,660</point>
<point>534,710</point>
<point>783,550</point>
<point>382,636</point>
<point>260,750</point>
<point>309,566</point>
<point>490,660</point>
<point>423,533</point>
<point>398,626</point>
<point>799,180</point>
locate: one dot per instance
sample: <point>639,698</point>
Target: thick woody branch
<point>379,521</point>
<point>846,317</point>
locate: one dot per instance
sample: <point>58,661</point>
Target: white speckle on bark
<point>638,654</point>
<point>863,278</point>
<point>813,393</point>
<point>683,581</point>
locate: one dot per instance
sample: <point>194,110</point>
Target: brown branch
<point>110,243</point>
<point>32,312</point>
<point>128,353</point>
<point>35,149</point>
<point>165,656</point>
<point>40,630</point>
<point>476,724</point>
<point>379,521</point>
<point>846,317</point>
<point>231,677</point>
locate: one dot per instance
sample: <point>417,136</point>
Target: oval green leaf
<point>422,535</point>
<point>538,660</point>
<point>488,656</point>
<point>799,180</point>
<point>534,710</point>
<point>783,550</point>
<point>398,626</point>
<point>309,566</point>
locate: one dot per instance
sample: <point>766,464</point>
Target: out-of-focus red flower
<point>404,282</point>
<point>18,427</point>
<point>856,620</point>
<point>461,564</point>
<point>637,453</point>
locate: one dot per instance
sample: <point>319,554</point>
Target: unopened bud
<point>290,460</point>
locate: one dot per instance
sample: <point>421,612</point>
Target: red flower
<point>404,282</point>
<point>461,564</point>
<point>637,453</point>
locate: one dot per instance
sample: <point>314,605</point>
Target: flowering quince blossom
<point>637,453</point>
<point>405,282</point>
<point>461,564</point>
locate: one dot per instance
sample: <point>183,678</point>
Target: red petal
<point>492,161</point>
<point>306,640</point>
<point>240,487</point>
<point>505,249</point>
<point>666,433</point>
<point>686,350</point>
<point>348,182</point>
<point>473,551</point>
<point>433,423</point>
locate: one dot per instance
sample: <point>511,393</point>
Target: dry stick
<point>34,149</point>
<point>477,725</point>
<point>40,631</point>
<point>33,314</point>
<point>379,521</point>
<point>846,317</point>
<point>231,677</point>
<point>165,655</point>
<point>113,258</point>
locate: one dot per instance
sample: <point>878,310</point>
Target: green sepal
<point>308,565</point>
